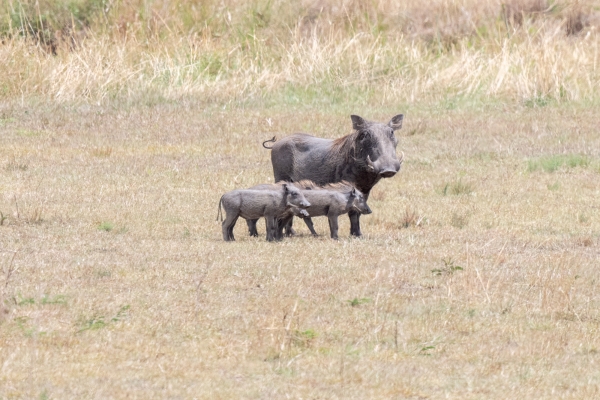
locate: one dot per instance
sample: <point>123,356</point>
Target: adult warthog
<point>361,158</point>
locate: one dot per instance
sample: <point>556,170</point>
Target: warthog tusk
<point>402,157</point>
<point>370,163</point>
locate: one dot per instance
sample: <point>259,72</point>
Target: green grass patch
<point>456,188</point>
<point>538,102</point>
<point>449,268</point>
<point>355,302</point>
<point>5,121</point>
<point>99,321</point>
<point>41,20</point>
<point>3,218</point>
<point>13,165</point>
<point>555,162</point>
<point>45,300</point>
<point>24,301</point>
<point>28,133</point>
<point>106,226</point>
<point>304,339</point>
<point>328,93</point>
<point>554,186</point>
<point>92,324</point>
<point>58,299</point>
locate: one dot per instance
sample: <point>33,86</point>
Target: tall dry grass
<point>233,51</point>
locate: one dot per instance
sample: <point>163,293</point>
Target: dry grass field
<point>476,276</point>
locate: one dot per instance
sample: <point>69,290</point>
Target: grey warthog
<point>253,204</point>
<point>331,200</point>
<point>361,158</point>
<point>267,186</point>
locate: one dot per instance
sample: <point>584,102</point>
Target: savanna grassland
<point>123,122</point>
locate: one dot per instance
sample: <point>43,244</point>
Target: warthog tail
<point>219,212</point>
<point>267,141</point>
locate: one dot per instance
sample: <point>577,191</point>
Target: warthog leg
<point>354,223</point>
<point>287,224</point>
<point>281,224</point>
<point>252,227</point>
<point>289,231</point>
<point>333,226</point>
<point>311,227</point>
<point>227,227</point>
<point>271,228</point>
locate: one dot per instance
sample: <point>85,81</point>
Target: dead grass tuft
<point>7,271</point>
<point>456,188</point>
<point>579,16</point>
<point>587,241</point>
<point>377,195</point>
<point>516,12</point>
<point>416,128</point>
<point>411,218</point>
<point>102,151</point>
<point>459,220</point>
<point>14,165</point>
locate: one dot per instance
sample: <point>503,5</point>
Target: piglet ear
<point>286,189</point>
<point>396,122</point>
<point>353,193</point>
<point>358,123</point>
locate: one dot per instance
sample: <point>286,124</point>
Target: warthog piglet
<point>330,201</point>
<point>253,204</point>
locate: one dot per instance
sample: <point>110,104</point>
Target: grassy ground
<point>122,124</point>
<point>476,275</point>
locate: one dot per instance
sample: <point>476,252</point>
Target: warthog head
<point>294,196</point>
<point>375,145</point>
<point>359,203</point>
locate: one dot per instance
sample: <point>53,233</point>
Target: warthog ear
<point>353,192</point>
<point>358,123</point>
<point>396,122</point>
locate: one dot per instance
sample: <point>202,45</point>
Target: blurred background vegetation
<point>530,50</point>
<point>53,23</point>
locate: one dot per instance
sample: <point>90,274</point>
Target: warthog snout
<point>388,169</point>
<point>304,204</point>
<point>388,173</point>
<point>367,210</point>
